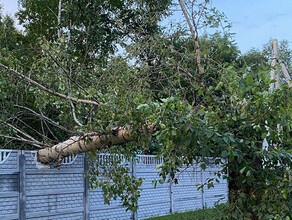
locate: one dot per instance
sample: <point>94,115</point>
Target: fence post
<point>203,189</point>
<point>22,193</point>
<point>133,173</point>
<point>86,214</point>
<point>171,196</point>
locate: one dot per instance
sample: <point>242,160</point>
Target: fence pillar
<point>203,189</point>
<point>22,193</point>
<point>133,173</point>
<point>86,214</point>
<point>171,196</point>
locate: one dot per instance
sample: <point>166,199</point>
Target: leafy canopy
<point>226,113</point>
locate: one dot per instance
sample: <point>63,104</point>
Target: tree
<point>92,28</point>
<point>157,94</point>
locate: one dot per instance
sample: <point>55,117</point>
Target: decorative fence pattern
<point>29,190</point>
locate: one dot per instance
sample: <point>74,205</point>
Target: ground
<point>202,214</point>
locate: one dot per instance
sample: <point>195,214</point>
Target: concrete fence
<point>28,191</point>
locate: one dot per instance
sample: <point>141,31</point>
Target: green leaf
<point>203,166</point>
<point>242,170</point>
<point>224,154</point>
<point>249,80</point>
<point>284,193</point>
<point>248,173</point>
<point>142,106</point>
<point>91,92</point>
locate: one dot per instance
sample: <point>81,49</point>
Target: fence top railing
<point>138,159</point>
<point>149,160</point>
<point>4,155</point>
<point>66,160</point>
<point>104,158</point>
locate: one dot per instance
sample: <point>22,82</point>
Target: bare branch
<point>74,115</point>
<point>46,118</point>
<point>34,130</point>
<point>23,133</point>
<point>194,36</point>
<point>44,122</point>
<point>46,89</point>
<point>22,140</point>
<point>59,18</point>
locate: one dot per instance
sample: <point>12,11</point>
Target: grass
<point>201,214</point>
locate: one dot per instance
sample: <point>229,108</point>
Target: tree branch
<point>273,64</point>
<point>285,72</point>
<point>194,36</point>
<point>23,133</point>
<point>59,19</point>
<point>46,118</point>
<point>84,143</point>
<point>74,115</point>
<point>46,89</point>
<point>22,140</point>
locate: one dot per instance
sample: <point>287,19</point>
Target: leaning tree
<point>65,92</point>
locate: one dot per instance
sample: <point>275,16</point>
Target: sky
<point>254,22</point>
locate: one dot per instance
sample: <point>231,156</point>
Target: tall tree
<point>92,28</point>
<point>156,94</point>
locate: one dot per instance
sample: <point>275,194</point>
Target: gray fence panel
<point>218,193</point>
<point>52,193</point>
<point>9,184</point>
<point>153,201</point>
<point>99,210</point>
<point>29,190</point>
<point>186,196</point>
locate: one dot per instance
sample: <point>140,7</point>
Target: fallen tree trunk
<point>87,142</point>
<point>80,144</point>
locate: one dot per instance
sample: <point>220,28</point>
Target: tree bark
<point>273,64</point>
<point>194,36</point>
<point>90,141</point>
<point>80,144</point>
<point>286,74</point>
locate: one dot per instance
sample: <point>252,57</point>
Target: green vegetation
<point>207,101</point>
<point>201,214</point>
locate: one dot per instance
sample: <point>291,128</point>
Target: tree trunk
<point>81,144</point>
<point>90,141</point>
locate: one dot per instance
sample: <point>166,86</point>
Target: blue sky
<point>257,21</point>
<point>254,22</point>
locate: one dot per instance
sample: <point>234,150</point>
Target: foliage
<point>92,28</point>
<point>116,180</point>
<point>226,112</point>
<point>201,214</point>
<point>235,129</point>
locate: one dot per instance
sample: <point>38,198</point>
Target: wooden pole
<point>285,72</point>
<point>273,65</point>
<point>275,60</point>
<point>194,35</point>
